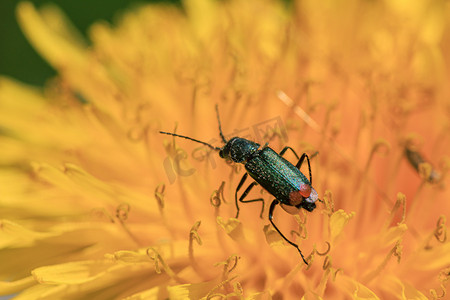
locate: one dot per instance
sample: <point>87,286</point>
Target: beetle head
<point>308,206</point>
<point>238,149</point>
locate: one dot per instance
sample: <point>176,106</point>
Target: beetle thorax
<point>238,149</point>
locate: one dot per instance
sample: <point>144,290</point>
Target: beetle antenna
<point>189,138</point>
<point>220,126</point>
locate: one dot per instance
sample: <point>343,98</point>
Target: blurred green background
<point>19,60</point>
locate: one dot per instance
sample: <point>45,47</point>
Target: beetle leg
<point>247,190</point>
<point>286,149</point>
<point>300,161</point>
<point>272,208</point>
<point>241,183</point>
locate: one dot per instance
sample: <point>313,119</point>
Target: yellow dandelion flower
<point>96,204</point>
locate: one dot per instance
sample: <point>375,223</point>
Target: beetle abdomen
<point>277,175</point>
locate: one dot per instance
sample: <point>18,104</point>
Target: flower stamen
<point>226,265</point>
<point>159,195</point>
<point>122,212</point>
<point>434,294</point>
<point>440,232</point>
<point>441,229</point>
<point>326,252</point>
<point>400,202</point>
<point>236,290</point>
<point>193,235</point>
<point>338,270</point>
<point>326,263</point>
<point>217,196</point>
<point>302,227</point>
<point>138,133</point>
<point>298,233</point>
<point>395,251</point>
<point>329,203</point>
<point>327,267</point>
<point>377,147</point>
<point>101,211</point>
<point>154,255</point>
<point>444,276</point>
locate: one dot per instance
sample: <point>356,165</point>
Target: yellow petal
<point>355,289</point>
<point>437,257</point>
<point>73,272</point>
<point>272,236</point>
<point>13,235</point>
<point>130,256</point>
<point>260,296</point>
<point>401,290</point>
<point>191,291</point>
<point>311,296</point>
<point>233,227</point>
<point>338,220</point>
<point>51,43</point>
<point>41,292</point>
<point>9,288</point>
<point>203,17</point>
<point>155,293</point>
<point>392,235</point>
